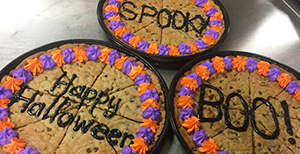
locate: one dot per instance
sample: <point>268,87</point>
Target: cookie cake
<point>81,98</point>
<point>235,102</point>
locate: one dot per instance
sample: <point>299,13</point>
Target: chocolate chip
<point>238,91</point>
<point>259,144</point>
<point>96,149</point>
<point>88,150</point>
<point>260,92</point>
<point>230,87</point>
<point>49,129</point>
<point>224,75</point>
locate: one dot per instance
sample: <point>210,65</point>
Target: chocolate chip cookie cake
<point>81,98</point>
<point>237,103</point>
<point>165,27</point>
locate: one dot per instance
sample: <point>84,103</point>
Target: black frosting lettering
<point>77,91</point>
<point>184,17</point>
<point>65,102</point>
<point>287,120</point>
<point>66,84</point>
<point>215,104</point>
<point>47,111</point>
<point>86,96</point>
<point>82,125</point>
<point>127,10</point>
<point>99,100</point>
<point>144,7</point>
<point>169,18</point>
<point>60,121</point>
<point>227,117</point>
<point>102,128</point>
<point>114,133</point>
<point>107,114</point>
<point>124,137</point>
<point>272,109</point>
<point>204,24</point>
<point>28,101</point>
<point>38,112</point>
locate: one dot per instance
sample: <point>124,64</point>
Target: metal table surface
<point>265,27</point>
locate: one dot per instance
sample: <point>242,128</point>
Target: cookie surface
<point>165,27</point>
<point>238,104</point>
<point>81,98</point>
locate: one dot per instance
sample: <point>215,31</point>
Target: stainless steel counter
<point>265,27</point>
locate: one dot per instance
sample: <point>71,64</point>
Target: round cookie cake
<point>74,97</point>
<point>236,102</point>
<point>166,28</point>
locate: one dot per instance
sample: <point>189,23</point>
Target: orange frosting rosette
<point>80,55</point>
<point>150,102</point>
<point>104,55</point>
<point>4,102</point>
<point>134,41</point>
<point>135,71</point>
<point>112,8</point>
<point>216,28</point>
<point>189,82</point>
<point>57,57</point>
<point>119,62</point>
<point>219,64</point>
<point>153,49</point>
<point>193,46</point>
<point>208,39</point>
<point>185,101</point>
<point>115,18</point>
<point>203,72</point>
<point>121,30</point>
<point>263,68</point>
<point>173,51</point>
<point>239,63</point>
<point>297,95</point>
<point>12,83</point>
<point>15,146</point>
<point>139,145</point>
<point>209,147</point>
<point>143,87</point>
<point>284,79</point>
<point>149,123</point>
<point>217,15</point>
<point>207,6</point>
<point>192,123</point>
<point>5,123</point>
<point>34,66</point>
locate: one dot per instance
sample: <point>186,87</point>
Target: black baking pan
<point>193,62</point>
<point>165,62</point>
<point>6,70</point>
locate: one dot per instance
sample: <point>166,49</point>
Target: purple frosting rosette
<point>199,137</point>
<point>5,92</point>
<point>47,61</point>
<point>228,62</point>
<point>23,74</point>
<point>93,52</point>
<point>143,45</point>
<point>273,73</point>
<point>127,66</point>
<point>128,150</point>
<point>6,135</point>
<point>152,113</point>
<point>127,36</point>
<point>28,150</point>
<point>145,133</point>
<point>3,112</point>
<point>292,87</point>
<point>185,91</point>
<point>210,66</point>
<point>144,78</point>
<point>184,48</point>
<point>68,55</point>
<point>149,94</point>
<point>251,64</point>
<point>200,44</point>
<point>186,113</point>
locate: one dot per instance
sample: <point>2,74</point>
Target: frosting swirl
<point>152,113</point>
<point>211,11</point>
<point>115,24</point>
<point>144,78</point>
<point>187,112</point>
<point>212,33</point>
<point>127,66</point>
<point>200,3</point>
<point>3,112</point>
<point>228,62</point>
<point>47,61</point>
<point>215,22</point>
<point>210,66</point>
<point>5,92</point>
<point>127,36</point>
<point>93,52</point>
<point>68,55</point>
<point>149,94</point>
<point>145,133</point>
<point>199,137</point>
<point>143,45</point>
<point>12,83</point>
<point>128,150</point>
<point>251,64</point>
<point>113,55</point>
<point>139,145</point>
<point>184,48</point>
<point>23,74</point>
<point>185,91</point>
<point>109,14</point>
<point>273,73</point>
<point>15,146</point>
<point>292,87</point>
<point>28,150</point>
<point>6,135</point>
<point>163,50</point>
